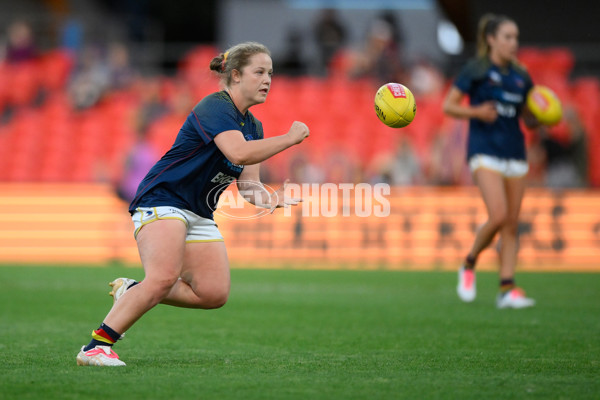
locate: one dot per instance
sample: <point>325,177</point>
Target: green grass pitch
<point>293,334</point>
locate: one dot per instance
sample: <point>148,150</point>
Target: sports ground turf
<point>291,334</point>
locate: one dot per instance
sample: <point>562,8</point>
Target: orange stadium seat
<point>194,69</point>
<point>162,133</point>
<point>53,167</point>
<point>559,60</point>
<point>533,58</point>
<point>4,84</point>
<point>197,60</point>
<point>340,64</point>
<point>24,82</point>
<point>55,69</point>
<point>586,98</point>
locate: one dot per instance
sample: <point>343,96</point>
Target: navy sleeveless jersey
<point>194,172</point>
<point>508,88</point>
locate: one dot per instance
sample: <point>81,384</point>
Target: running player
<point>497,87</point>
<point>182,251</point>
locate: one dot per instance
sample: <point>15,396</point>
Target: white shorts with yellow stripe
<point>507,167</point>
<point>198,229</point>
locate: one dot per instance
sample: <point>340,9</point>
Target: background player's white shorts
<point>509,168</point>
<point>198,229</point>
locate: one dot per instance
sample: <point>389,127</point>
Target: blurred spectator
<point>20,44</point>
<point>566,159</point>
<point>72,35</point>
<point>380,57</point>
<point>426,80</point>
<point>330,35</point>
<point>143,154</point>
<point>397,35</point>
<point>151,106</point>
<point>446,166</point>
<point>96,75</point>
<point>121,73</point>
<point>163,131</point>
<point>292,63</point>
<point>341,168</point>
<point>536,158</point>
<point>90,79</point>
<point>19,75</point>
<point>140,159</point>
<point>303,171</point>
<point>402,168</point>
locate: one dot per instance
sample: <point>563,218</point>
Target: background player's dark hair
<point>488,26</point>
<point>237,57</point>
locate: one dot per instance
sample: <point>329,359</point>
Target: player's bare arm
<point>242,152</point>
<point>453,106</point>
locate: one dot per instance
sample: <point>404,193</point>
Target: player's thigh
<point>161,245</point>
<point>206,267</point>
<point>491,187</point>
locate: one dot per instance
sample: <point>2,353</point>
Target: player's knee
<point>511,226</point>
<point>216,299</point>
<point>160,286</point>
<point>498,218</point>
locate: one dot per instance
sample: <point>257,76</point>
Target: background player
<point>497,87</point>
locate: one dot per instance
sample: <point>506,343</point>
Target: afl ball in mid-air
<point>395,105</point>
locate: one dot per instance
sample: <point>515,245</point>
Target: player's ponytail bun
<point>217,64</point>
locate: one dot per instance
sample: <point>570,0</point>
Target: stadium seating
<point>42,138</point>
<point>55,68</point>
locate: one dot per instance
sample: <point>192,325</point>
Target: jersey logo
<point>519,82</point>
<point>222,178</point>
<point>495,77</point>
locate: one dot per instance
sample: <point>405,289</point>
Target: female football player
<point>181,249</point>
<point>497,88</point>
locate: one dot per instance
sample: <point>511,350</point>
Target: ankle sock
<point>506,285</point>
<point>470,262</point>
<point>103,336</point>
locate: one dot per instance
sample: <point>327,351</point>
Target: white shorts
<point>509,168</point>
<point>198,229</point>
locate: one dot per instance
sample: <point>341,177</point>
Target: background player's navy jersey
<point>194,172</point>
<point>508,87</point>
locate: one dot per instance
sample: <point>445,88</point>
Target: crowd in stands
<point>89,115</point>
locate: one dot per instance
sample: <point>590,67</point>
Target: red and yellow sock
<point>103,336</point>
<point>506,285</point>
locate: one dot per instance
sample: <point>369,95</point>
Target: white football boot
<point>466,288</point>
<point>514,298</point>
<point>99,356</point>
